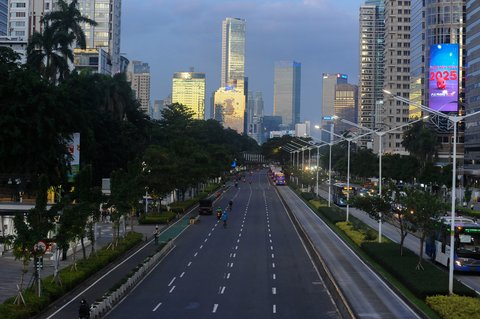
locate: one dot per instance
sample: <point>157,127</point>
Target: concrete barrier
<point>109,300</point>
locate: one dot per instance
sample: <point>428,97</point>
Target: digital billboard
<point>443,77</point>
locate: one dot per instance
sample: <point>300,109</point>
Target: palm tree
<point>69,19</point>
<point>46,53</point>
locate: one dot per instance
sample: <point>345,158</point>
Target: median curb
<point>99,308</point>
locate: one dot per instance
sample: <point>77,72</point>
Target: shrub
<point>317,203</point>
<point>422,283</point>
<point>162,218</point>
<point>454,306</point>
<point>307,195</point>
<point>333,214</point>
<point>357,236</point>
<point>70,278</point>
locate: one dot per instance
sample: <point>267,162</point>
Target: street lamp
<point>318,164</point>
<point>454,119</point>
<point>380,152</point>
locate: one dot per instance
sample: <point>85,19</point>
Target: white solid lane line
<point>171,282</point>
<point>215,306</point>
<point>159,304</point>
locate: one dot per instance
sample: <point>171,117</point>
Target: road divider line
<point>171,289</point>
<point>159,304</point>
<point>273,265</point>
<point>195,255</point>
<point>171,282</point>
<point>274,276</point>
<point>228,276</point>
<point>182,274</point>
<point>274,290</point>
<point>274,309</point>
<point>273,256</point>
<point>215,307</point>
<point>189,264</point>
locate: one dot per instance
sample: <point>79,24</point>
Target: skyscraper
<point>286,95</point>
<point>329,80</point>
<point>188,88</point>
<point>255,115</point>
<point>396,74</point>
<point>233,53</point>
<point>230,108</point>
<point>472,124</point>
<point>3,17</point>
<point>138,74</point>
<point>372,33</point>
<point>345,105</point>
<point>106,35</point>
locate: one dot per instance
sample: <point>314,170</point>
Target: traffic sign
<point>40,247</point>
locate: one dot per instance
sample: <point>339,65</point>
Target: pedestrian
<point>156,234</point>
<point>84,310</point>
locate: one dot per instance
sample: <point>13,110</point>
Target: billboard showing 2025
<point>443,78</point>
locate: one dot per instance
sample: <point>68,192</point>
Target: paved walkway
<point>11,269</point>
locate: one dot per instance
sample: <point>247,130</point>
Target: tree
<point>421,142</point>
<point>377,207</point>
<point>68,18</point>
<point>423,210</point>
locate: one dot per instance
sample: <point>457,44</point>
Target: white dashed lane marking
<point>159,304</point>
<point>171,282</point>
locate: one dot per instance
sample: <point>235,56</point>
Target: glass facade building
<point>188,88</point>
<point>372,33</point>
<point>138,74</point>
<point>255,115</point>
<point>3,17</point>
<point>230,108</point>
<point>417,56</point>
<point>286,92</point>
<point>233,53</point>
<point>345,105</point>
<point>106,34</point>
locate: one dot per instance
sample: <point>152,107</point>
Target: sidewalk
<point>12,269</point>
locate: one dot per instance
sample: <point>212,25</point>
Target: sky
<point>174,35</point>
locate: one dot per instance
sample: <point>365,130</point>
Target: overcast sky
<point>173,35</point>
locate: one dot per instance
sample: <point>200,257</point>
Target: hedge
<point>162,218</point>
<point>455,307</point>
<point>333,214</point>
<point>70,279</point>
<point>307,195</point>
<point>422,283</point>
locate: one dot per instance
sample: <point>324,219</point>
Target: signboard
<point>74,150</point>
<point>328,118</point>
<point>40,247</point>
<point>443,78</point>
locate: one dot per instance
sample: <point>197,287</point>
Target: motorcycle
<point>219,214</point>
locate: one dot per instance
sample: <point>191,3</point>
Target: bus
<point>339,193</point>
<point>279,179</point>
<point>467,244</point>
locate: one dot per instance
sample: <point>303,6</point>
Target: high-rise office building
<point>233,53</point>
<point>472,94</point>
<point>372,33</point>
<point>345,105</point>
<point>230,108</point>
<point>255,115</point>
<point>417,57</point>
<point>3,17</point>
<point>138,74</point>
<point>188,88</point>
<point>329,80</point>
<point>396,75</point>
<point>286,95</point>
<point>158,107</point>
<point>106,34</point>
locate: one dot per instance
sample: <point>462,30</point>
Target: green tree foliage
<point>421,142</point>
<point>272,150</point>
<point>423,209</point>
<point>399,167</point>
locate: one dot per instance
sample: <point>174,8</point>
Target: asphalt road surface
<point>256,267</point>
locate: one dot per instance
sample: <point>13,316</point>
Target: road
<point>257,267</point>
<point>368,295</point>
<point>411,241</point>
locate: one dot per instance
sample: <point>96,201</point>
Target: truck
<point>205,206</point>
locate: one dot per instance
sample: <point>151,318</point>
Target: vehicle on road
<point>467,244</point>
<point>340,191</point>
<point>205,206</point>
<point>279,179</point>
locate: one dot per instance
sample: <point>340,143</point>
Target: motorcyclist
<point>224,218</point>
<point>219,212</point>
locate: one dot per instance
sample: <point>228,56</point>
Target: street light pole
<point>454,120</point>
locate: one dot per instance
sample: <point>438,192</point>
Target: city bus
<point>279,179</point>
<point>467,244</point>
<point>339,193</point>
